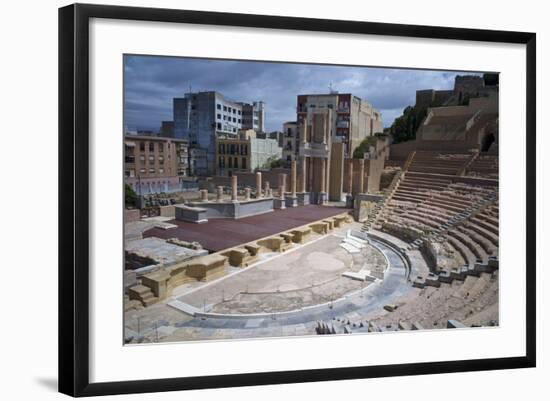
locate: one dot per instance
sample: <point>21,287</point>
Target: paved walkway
<point>356,308</point>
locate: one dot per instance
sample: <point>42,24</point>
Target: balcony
<point>342,124</point>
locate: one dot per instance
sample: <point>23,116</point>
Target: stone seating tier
<point>476,249</point>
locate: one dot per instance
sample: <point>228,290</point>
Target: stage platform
<point>218,234</point>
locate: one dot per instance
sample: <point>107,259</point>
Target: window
<point>239,120</point>
<point>239,112</point>
<point>224,117</point>
<point>219,106</point>
<point>230,162</point>
<point>151,146</point>
<point>161,147</point>
<point>142,170</point>
<point>219,126</point>
<point>234,120</point>
<point>219,116</point>
<point>151,171</point>
<point>142,146</point>
<point>234,129</point>
<point>224,108</point>
<point>234,111</point>
<point>243,163</point>
<point>142,158</point>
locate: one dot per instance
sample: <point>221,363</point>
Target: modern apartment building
<point>352,118</point>
<point>201,117</point>
<point>254,116</point>
<point>155,164</point>
<point>245,153</point>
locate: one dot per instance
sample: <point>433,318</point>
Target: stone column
<point>310,176</point>
<point>234,188</point>
<point>258,185</point>
<point>293,178</point>
<point>282,181</point>
<point>204,195</point>
<point>323,175</point>
<point>361,175</point>
<point>303,175</point>
<point>350,176</point>
<point>282,193</point>
<point>219,194</point>
<point>247,194</point>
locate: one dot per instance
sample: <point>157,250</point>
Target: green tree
<point>365,145</point>
<point>405,126</point>
<point>275,163</point>
<point>130,196</point>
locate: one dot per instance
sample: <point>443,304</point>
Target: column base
<point>303,198</point>
<point>291,201</point>
<point>349,201</point>
<point>322,198</point>
<point>279,203</point>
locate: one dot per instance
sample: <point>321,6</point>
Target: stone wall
<point>131,215</point>
<point>167,211</point>
<point>234,210</point>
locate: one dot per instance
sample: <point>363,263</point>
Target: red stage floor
<point>219,234</point>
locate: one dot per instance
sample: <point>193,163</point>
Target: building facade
<point>245,153</point>
<point>352,118</point>
<point>329,128</point>
<point>291,142</point>
<point>201,117</point>
<point>253,116</point>
<point>155,164</point>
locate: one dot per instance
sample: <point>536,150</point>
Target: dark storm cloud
<point>152,82</point>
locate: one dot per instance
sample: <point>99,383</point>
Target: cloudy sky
<point>152,82</point>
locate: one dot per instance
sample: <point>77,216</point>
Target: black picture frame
<point>74,200</point>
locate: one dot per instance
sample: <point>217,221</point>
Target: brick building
<point>155,164</point>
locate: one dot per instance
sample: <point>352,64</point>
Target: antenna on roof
<point>332,91</point>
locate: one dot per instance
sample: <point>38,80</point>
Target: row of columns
<point>293,181</point>
<point>306,180</point>
<point>268,192</point>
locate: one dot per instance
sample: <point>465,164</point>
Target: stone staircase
<point>143,294</point>
<point>468,163</point>
<point>374,215</point>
